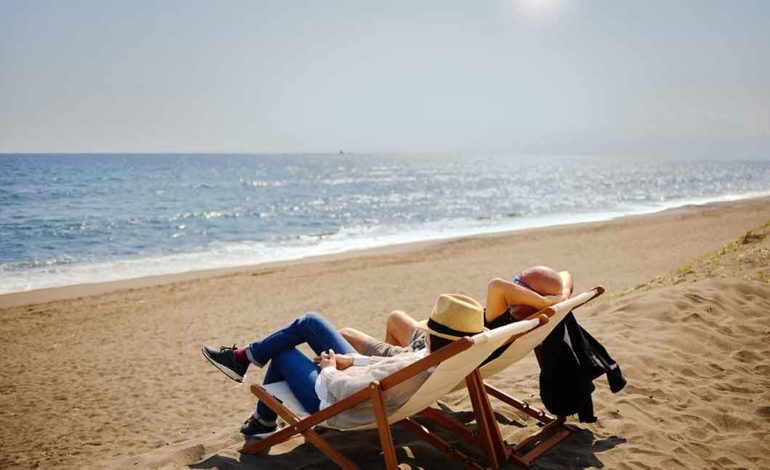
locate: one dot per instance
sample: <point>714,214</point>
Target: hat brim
<point>423,325</point>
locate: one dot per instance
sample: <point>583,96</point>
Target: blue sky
<point>688,78</point>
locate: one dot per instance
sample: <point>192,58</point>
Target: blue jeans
<point>288,364</point>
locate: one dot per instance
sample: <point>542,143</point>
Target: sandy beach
<point>111,375</point>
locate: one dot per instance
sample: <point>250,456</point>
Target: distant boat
<point>341,152</point>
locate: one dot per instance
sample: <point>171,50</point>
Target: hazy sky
<point>528,76</point>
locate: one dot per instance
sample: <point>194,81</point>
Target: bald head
<point>544,280</point>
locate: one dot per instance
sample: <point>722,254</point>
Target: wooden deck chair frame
<point>554,428</point>
<point>374,392</point>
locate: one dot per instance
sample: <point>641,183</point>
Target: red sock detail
<point>240,356</point>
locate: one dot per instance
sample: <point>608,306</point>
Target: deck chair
<point>454,363</point>
<point>553,429</point>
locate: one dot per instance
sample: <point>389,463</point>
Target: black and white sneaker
<point>252,427</point>
<point>224,360</point>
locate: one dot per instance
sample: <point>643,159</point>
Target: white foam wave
<point>225,255</point>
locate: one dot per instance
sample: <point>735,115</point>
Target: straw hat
<point>454,316</point>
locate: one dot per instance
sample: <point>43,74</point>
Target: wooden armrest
<point>425,363</point>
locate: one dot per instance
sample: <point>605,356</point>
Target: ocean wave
<point>62,271</point>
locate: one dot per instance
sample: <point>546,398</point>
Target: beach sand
<point>112,375</point>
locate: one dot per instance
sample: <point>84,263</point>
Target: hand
<point>327,359</point>
<point>555,299</point>
<point>343,361</point>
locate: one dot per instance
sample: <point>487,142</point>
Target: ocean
<point>70,219</point>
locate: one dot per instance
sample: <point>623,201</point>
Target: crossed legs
<point>399,330</point>
<point>285,363</point>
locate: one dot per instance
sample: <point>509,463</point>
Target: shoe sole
<point>225,370</point>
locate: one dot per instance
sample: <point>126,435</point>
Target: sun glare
<point>541,9</point>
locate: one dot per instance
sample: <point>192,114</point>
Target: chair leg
<point>292,419</point>
<point>489,432</point>
<point>497,437</point>
<point>451,424</point>
<point>553,431</point>
<point>489,437</point>
<point>383,428</point>
<point>323,445</point>
<point>556,431</point>
<point>520,405</point>
<point>439,443</point>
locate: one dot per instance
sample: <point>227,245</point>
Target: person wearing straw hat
<point>339,371</point>
<point>507,301</point>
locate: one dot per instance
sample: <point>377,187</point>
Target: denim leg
<point>300,374</point>
<point>311,328</point>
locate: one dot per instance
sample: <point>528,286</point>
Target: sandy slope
<point>697,357</point>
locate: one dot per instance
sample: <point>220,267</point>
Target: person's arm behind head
<point>501,294</point>
<point>523,301</point>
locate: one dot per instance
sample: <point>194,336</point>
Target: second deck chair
<point>554,429</point>
<point>454,363</point>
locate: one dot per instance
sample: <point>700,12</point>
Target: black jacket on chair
<point>570,360</point>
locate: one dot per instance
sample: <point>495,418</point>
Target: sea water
<point>70,219</point>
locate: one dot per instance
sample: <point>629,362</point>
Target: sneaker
<point>253,428</point>
<point>224,360</point>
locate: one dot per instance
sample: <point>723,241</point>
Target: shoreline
<point>249,254</point>
<point>89,289</point>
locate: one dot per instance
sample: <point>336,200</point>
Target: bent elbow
<point>495,284</point>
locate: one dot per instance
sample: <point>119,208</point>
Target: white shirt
<point>330,373</point>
